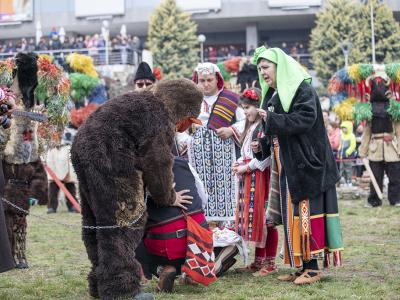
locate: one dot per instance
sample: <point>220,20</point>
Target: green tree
<point>173,41</point>
<point>349,21</point>
<point>387,34</point>
<point>334,25</point>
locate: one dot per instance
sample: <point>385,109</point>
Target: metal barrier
<point>101,56</point>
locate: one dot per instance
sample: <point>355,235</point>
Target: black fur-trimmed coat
<point>304,146</point>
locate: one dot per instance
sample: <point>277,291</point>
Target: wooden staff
<point>63,188</point>
<point>371,175</point>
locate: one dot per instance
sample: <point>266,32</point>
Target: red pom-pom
<point>157,73</point>
<point>251,94</point>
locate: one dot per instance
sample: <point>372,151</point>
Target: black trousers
<point>392,170</point>
<point>150,262</point>
<point>53,194</point>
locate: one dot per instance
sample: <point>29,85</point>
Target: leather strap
<point>171,235</point>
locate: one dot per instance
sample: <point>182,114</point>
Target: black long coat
<point>6,259</point>
<point>306,154</point>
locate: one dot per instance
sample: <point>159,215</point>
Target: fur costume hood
<point>26,71</point>
<point>181,97</point>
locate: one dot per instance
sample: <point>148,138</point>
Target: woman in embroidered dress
<point>253,177</point>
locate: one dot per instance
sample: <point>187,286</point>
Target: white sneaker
<point>368,205</point>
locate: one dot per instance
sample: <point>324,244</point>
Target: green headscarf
<point>289,74</point>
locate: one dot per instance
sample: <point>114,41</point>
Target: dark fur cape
<point>27,76</point>
<point>305,150</point>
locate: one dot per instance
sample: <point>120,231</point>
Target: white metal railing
<point>101,55</point>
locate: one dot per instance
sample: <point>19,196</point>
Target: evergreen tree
<point>334,25</point>
<point>349,21</point>
<point>173,41</point>
<point>387,34</point>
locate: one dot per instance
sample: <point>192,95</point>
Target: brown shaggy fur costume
<point>122,149</point>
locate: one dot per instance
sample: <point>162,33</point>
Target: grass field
<point>371,264</point>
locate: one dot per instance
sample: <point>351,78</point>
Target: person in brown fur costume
<point>24,174</point>
<point>123,149</point>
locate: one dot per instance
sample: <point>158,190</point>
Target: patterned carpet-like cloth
<point>212,158</point>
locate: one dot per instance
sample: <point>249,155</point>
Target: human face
<point>141,84</point>
<point>267,70</point>
<point>208,84</point>
<point>250,111</point>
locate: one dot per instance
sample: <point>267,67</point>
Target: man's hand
<point>181,199</point>
<point>224,132</point>
<point>262,113</point>
<point>255,146</point>
<point>182,147</point>
<point>239,169</point>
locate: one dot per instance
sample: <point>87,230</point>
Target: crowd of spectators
<point>95,44</point>
<point>217,54</point>
<point>334,128</point>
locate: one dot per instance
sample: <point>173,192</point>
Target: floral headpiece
<point>251,94</point>
<point>52,91</point>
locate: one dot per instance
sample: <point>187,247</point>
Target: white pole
<point>201,52</point>
<point>107,58</point>
<point>372,33</point>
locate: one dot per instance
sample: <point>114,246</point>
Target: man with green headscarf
<point>304,173</point>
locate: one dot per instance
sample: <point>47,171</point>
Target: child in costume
<point>253,187</point>
<point>347,151</point>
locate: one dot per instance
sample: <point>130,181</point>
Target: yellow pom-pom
<point>398,76</point>
<point>345,109</point>
<point>353,71</point>
<point>82,63</point>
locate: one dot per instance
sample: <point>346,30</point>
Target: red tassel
<point>360,90</point>
<point>398,94</point>
<point>327,260</point>
<point>349,89</point>
<point>337,258</point>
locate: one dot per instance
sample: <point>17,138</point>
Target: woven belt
<point>380,136</point>
<point>172,235</point>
